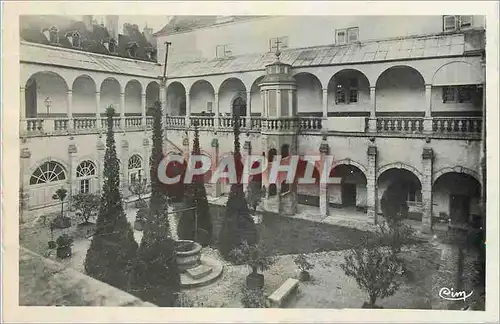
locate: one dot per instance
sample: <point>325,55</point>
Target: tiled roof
<point>393,49</point>
<point>42,54</point>
<point>31,31</point>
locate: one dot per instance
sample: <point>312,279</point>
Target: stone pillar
<point>427,163</point>
<point>143,108</point>
<point>163,98</point>
<point>147,155</point>
<point>98,109</point>
<point>247,151</point>
<point>372,122</point>
<point>101,149</point>
<point>216,117</point>
<point>325,103</point>
<point>22,106</point>
<point>124,158</point>
<point>216,187</point>
<point>249,109</point>
<point>70,104</point>
<point>263,100</point>
<point>371,183</point>
<point>188,108</point>
<point>24,183</point>
<point>428,106</point>
<point>73,188</point>
<point>324,202</point>
<point>122,110</point>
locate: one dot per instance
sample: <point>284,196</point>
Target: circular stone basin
<point>188,254</point>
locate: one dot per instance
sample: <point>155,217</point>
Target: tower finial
<point>277,53</point>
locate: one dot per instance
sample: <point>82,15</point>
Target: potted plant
<point>61,221</point>
<point>64,243</point>
<point>257,258</point>
<point>304,266</point>
<point>139,218</point>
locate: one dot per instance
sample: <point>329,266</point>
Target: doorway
<point>349,194</point>
<point>459,208</point>
<point>239,107</point>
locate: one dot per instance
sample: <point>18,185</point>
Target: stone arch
<point>456,73</point>
<point>133,97</point>
<point>358,165</point>
<point>46,94</point>
<point>255,97</point>
<point>400,165</point>
<point>152,94</point>
<point>84,89</point>
<point>110,90</point>
<point>48,159</point>
<point>201,97</point>
<point>352,190</point>
<point>229,90</point>
<point>309,93</point>
<point>456,169</point>
<point>47,171</point>
<point>176,99</point>
<point>349,86</point>
<point>400,88</point>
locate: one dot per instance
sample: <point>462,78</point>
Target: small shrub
<point>303,263</point>
<point>64,241</point>
<point>255,256</point>
<point>87,205</point>
<point>253,298</point>
<point>375,270</point>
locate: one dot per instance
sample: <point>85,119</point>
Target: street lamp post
<point>48,103</point>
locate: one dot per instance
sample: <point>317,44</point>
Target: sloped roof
<point>41,54</point>
<point>32,26</point>
<point>393,49</point>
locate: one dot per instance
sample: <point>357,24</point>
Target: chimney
<point>148,33</point>
<point>88,20</point>
<point>112,26</point>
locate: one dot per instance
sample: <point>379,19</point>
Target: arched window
<point>85,172</point>
<point>48,172</point>
<point>135,168</point>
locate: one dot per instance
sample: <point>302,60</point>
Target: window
<point>352,34</point>
<point>460,94</point>
<point>340,36</point>
<point>465,22</point>
<point>455,23</point>
<point>48,172</point>
<point>282,41</point>
<point>85,186</point>
<point>135,168</point>
<point>223,51</point>
<point>347,92</point>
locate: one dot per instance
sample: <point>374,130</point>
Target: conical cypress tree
<point>156,275</point>
<point>238,225</point>
<point>113,248</point>
<point>195,195</point>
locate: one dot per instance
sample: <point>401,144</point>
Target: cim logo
<point>450,294</point>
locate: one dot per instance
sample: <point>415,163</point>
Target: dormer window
<point>112,45</point>
<point>456,23</point>
<point>132,49</point>
<point>346,36</point>
<point>54,35</point>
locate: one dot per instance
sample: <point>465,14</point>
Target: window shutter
<point>449,23</point>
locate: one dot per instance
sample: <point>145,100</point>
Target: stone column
<point>147,155</point>
<point>122,110</point>
<point>163,98</point>
<point>22,98</point>
<point>143,108</point>
<point>249,109</point>
<point>216,117</point>
<point>428,106</point>
<point>263,100</point>
<point>24,184</point>
<point>216,187</point>
<point>324,202</point>
<point>70,107</point>
<point>124,158</point>
<point>325,103</point>
<point>188,108</point>
<point>101,149</point>
<point>247,151</point>
<point>427,163</point>
<point>371,183</point>
<point>278,103</point>
<point>372,122</point>
<point>72,183</point>
<point>98,109</point>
